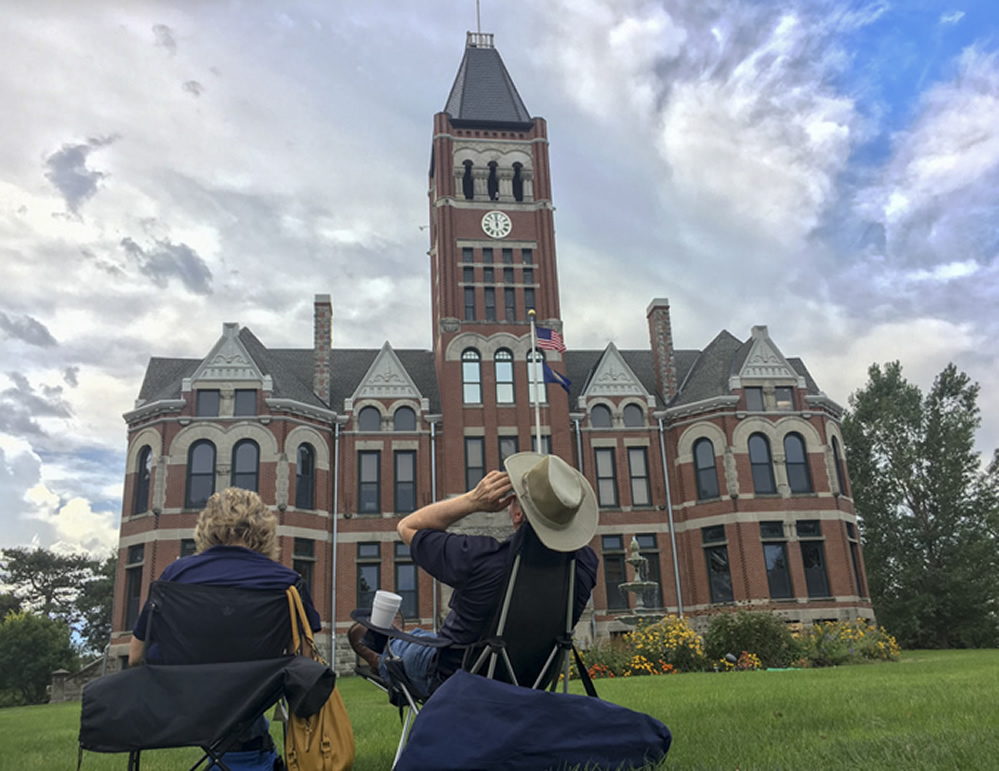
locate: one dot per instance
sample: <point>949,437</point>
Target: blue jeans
<point>416,660</point>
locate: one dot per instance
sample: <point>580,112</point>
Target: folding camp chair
<point>528,639</point>
<point>215,661</point>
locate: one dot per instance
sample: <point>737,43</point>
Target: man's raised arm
<point>493,493</point>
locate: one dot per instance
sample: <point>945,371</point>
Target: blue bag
<point>472,723</point>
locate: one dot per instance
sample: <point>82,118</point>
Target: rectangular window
<point>638,470</point>
<point>468,274</point>
<point>469,303</point>
<point>133,584</point>
<point>507,447</point>
<point>714,534</point>
<point>778,572</point>
<point>612,557</point>
<point>510,304</point>
<point>851,535</point>
<point>808,528</point>
<point>245,403</point>
<point>187,547</point>
<point>369,481</point>
<point>527,256</point>
<point>507,275</point>
<point>754,400</point>
<point>488,277</point>
<point>405,481</point>
<point>406,584</point>
<point>528,299</point>
<point>487,256</point>
<point>546,444</point>
<point>606,476</point>
<point>785,397</point>
<point>467,254</point>
<point>771,530</point>
<point>528,275</point>
<point>475,460</point>
<point>718,573</point>
<point>648,548</point>
<point>207,404</point>
<point>508,256</point>
<point>303,560</point>
<point>490,294</point>
<point>813,560</point>
<point>369,564</point>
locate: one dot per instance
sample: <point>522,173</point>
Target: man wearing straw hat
<point>561,507</point>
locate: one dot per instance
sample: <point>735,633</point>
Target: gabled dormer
<point>612,378</point>
<point>387,379</point>
<point>228,381</point>
<point>767,379</point>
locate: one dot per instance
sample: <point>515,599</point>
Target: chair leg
<point>133,760</point>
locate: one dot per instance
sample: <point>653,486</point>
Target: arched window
<point>305,477</point>
<point>838,462</point>
<point>471,376</point>
<point>369,419</point>
<point>404,419</point>
<point>245,464</point>
<point>143,471</point>
<point>504,376</point>
<point>518,182</point>
<point>704,467</point>
<point>634,416</point>
<point>468,182</point>
<point>536,377</point>
<point>600,416</point>
<point>763,470</point>
<point>200,474</point>
<point>492,184</point>
<point>796,463</point>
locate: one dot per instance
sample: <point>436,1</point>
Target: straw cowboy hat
<point>556,499</point>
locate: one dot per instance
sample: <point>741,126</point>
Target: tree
<point>44,581</point>
<point>94,606</point>
<point>8,603</point>
<point>32,647</point>
<point>928,511</point>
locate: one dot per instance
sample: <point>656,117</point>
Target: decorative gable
<point>765,361</point>
<point>613,377</point>
<point>229,361</point>
<point>386,378</point>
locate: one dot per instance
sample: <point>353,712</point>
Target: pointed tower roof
<point>483,92</point>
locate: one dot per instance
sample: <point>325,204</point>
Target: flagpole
<point>534,382</point>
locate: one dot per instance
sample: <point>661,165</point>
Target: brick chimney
<point>661,339</point>
<point>322,346</point>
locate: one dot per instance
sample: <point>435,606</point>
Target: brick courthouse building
<point>726,464</point>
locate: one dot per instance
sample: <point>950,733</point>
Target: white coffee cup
<point>384,607</point>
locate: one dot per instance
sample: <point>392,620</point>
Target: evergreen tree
<point>928,511</point>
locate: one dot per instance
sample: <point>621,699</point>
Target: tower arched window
<point>705,469</point>
<point>246,465</point>
<point>796,462</point>
<point>468,182</point>
<point>504,376</point>
<point>634,416</point>
<point>404,419</point>
<point>762,465</point>
<point>143,473</point>
<point>838,462</point>
<point>200,474</point>
<point>536,377</point>
<point>369,419</point>
<point>471,376</point>
<point>600,416</point>
<point>305,477</point>
<point>492,183</point>
<point>518,182</point>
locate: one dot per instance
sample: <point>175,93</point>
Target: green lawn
<point>934,709</point>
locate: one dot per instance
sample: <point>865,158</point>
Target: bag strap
<point>584,675</point>
<point>299,621</point>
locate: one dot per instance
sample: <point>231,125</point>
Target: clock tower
<point>492,252</point>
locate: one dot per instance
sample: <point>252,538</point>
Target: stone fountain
<point>639,585</point>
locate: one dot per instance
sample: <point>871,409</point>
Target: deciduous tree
<point>32,647</point>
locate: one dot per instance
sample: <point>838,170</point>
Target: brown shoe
<point>355,636</point>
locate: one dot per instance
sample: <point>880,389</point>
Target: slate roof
<point>484,94</point>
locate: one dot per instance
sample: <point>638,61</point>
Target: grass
<point>933,710</point>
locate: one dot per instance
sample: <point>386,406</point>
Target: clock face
<point>496,224</point>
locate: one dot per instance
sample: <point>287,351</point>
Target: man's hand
<point>494,492</point>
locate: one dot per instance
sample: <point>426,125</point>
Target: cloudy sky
<point>828,169</point>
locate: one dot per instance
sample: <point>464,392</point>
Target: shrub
<point>759,633</point>
<point>664,647</point>
<point>830,643</point>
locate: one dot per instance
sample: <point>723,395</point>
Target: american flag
<point>550,340</point>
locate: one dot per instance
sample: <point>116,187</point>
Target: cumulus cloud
<point>67,170</point>
<point>77,527</point>
<point>26,328</point>
<point>167,260</point>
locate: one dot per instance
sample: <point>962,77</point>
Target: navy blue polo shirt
<point>231,566</point>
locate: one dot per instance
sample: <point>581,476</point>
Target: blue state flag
<point>551,376</point>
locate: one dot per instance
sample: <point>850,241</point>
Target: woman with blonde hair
<point>236,544</point>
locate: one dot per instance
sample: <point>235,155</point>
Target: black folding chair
<point>215,662</point>
<point>528,639</point>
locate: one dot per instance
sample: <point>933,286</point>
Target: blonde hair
<point>237,517</point>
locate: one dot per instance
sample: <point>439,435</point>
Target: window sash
<point>207,403</point>
<point>719,575</point>
<point>245,402</point>
<point>305,467</point>
<point>762,466</point>
<point>778,571</point>
<point>475,460</point>
<point>245,465</point>
<point>407,587</point>
<point>705,470</point>
<point>143,472</point>
<point>200,475</point>
<point>813,560</point>
<point>369,481</point>
<point>368,582</point>
<point>405,481</point>
<point>754,399</point>
<point>606,476</point>
<point>641,492</point>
